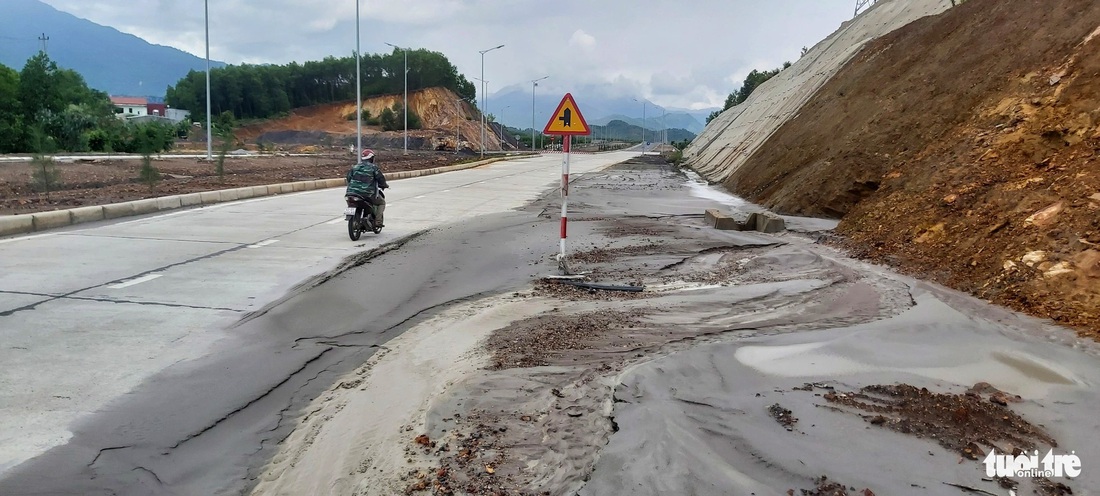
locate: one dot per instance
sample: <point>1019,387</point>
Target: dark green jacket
<point>364,179</point>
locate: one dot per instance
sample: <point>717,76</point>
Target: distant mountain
<point>109,60</point>
<point>512,106</point>
<point>621,130</point>
<point>672,120</point>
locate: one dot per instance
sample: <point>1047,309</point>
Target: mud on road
<point>717,378</point>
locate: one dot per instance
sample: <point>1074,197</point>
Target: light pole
<point>643,124</point>
<point>406,105</point>
<point>209,133</point>
<point>501,122</point>
<point>358,92</point>
<point>534,83</point>
<point>483,52</point>
<point>458,122</point>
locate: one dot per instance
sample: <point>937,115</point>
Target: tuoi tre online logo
<point>1030,466</point>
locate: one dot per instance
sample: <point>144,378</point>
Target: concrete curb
<point>41,221</point>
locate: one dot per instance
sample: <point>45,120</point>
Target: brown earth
<point>441,111</point>
<point>107,181</point>
<point>961,149</point>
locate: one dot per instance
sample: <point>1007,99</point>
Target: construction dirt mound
<point>960,148</point>
<point>442,113</point>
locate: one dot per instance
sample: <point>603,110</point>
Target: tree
<point>44,176</point>
<point>388,119</point>
<point>254,91</point>
<point>752,81</point>
<point>10,110</point>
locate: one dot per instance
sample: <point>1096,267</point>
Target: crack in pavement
<point>112,448</point>
<point>154,474</point>
<point>252,401</point>
<point>102,299</point>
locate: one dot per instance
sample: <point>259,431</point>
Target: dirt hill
<point>962,148</point>
<point>441,111</point>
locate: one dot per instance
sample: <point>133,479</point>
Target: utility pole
<point>358,92</point>
<point>45,41</point>
<point>483,52</point>
<point>406,105</point>
<point>534,83</point>
<point>209,121</point>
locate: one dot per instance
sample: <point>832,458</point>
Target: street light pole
<point>643,124</point>
<point>209,133</point>
<point>534,82</point>
<point>502,126</point>
<point>483,52</point>
<point>406,104</point>
<point>358,92</point>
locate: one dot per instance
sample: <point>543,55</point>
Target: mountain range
<point>110,60</point>
<point>512,106</point>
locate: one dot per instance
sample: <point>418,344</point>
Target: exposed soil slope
<point>961,148</point>
<point>440,111</point>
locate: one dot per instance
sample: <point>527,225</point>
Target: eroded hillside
<point>442,114</point>
<point>962,148</point>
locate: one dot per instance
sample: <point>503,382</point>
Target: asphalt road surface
<point>131,364</point>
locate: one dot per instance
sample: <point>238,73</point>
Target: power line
<point>45,42</point>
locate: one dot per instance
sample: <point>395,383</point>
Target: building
<point>130,108</point>
<point>126,107</point>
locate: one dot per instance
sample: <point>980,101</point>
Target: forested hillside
<point>260,91</point>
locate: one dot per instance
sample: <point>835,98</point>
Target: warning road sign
<point>567,119</point>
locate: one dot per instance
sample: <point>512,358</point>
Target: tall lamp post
<point>358,92</point>
<point>406,104</point>
<point>643,125</point>
<point>209,133</point>
<point>502,126</point>
<point>534,83</point>
<point>483,52</point>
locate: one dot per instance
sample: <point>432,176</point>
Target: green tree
<point>148,174</point>
<point>388,119</point>
<point>752,81</point>
<point>44,175</point>
<point>10,110</point>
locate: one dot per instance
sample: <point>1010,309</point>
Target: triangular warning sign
<point>567,119</point>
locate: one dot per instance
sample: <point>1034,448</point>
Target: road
<point>88,315</point>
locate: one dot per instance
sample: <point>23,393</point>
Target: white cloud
<point>583,40</point>
<point>675,54</point>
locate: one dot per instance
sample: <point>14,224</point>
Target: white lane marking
<point>132,282</point>
<point>445,191</point>
<point>263,243</point>
<point>26,238</point>
<point>335,221</point>
<point>419,197</point>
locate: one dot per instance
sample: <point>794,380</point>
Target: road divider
<point>27,223</point>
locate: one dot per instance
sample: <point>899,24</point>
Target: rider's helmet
<point>367,155</point>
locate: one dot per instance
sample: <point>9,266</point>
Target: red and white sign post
<point>566,122</point>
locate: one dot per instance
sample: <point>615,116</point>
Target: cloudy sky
<point>686,54</point>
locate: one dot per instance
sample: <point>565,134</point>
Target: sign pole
<point>566,142</point>
<point>566,122</point>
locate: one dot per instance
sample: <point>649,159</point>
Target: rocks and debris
<point>552,289</point>
<point>534,342</point>
<point>826,487</point>
<point>1047,487</point>
<point>965,423</point>
<point>783,416</point>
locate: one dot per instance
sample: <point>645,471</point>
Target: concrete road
<point>87,314</point>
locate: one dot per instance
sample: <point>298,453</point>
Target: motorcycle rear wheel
<point>354,225</point>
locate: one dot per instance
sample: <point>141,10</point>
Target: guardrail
<point>41,221</point>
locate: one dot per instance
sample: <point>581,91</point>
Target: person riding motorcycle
<point>366,180</point>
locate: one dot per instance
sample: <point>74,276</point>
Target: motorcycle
<point>361,214</point>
